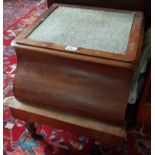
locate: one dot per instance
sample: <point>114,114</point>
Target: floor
<point>15,9</point>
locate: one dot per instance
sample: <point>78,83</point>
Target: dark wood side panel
<point>94,90</point>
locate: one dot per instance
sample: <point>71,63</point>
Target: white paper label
<point>71,48</point>
<point>9,125</point>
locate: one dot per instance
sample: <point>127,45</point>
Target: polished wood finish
<point>86,88</point>
<point>133,49</point>
<point>80,92</point>
<point>80,82</point>
<point>71,55</point>
<point>108,134</point>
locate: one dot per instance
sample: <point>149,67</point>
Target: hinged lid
<point>89,31</point>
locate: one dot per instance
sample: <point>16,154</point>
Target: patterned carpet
<point>17,140</point>
<point>14,9</point>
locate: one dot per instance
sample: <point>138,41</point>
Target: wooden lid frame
<point>134,44</point>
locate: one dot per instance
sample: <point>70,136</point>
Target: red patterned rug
<point>17,140</point>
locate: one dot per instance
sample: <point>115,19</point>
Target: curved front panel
<point>84,88</point>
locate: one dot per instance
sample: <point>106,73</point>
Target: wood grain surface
<point>94,90</point>
<point>83,82</point>
<point>106,133</point>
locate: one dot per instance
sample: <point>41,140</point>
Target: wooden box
<point>79,59</point>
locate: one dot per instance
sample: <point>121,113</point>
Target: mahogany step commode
<point>81,70</point>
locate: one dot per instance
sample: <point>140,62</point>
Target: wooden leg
<point>32,130</point>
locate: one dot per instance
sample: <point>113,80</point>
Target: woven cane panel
<point>86,28</point>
